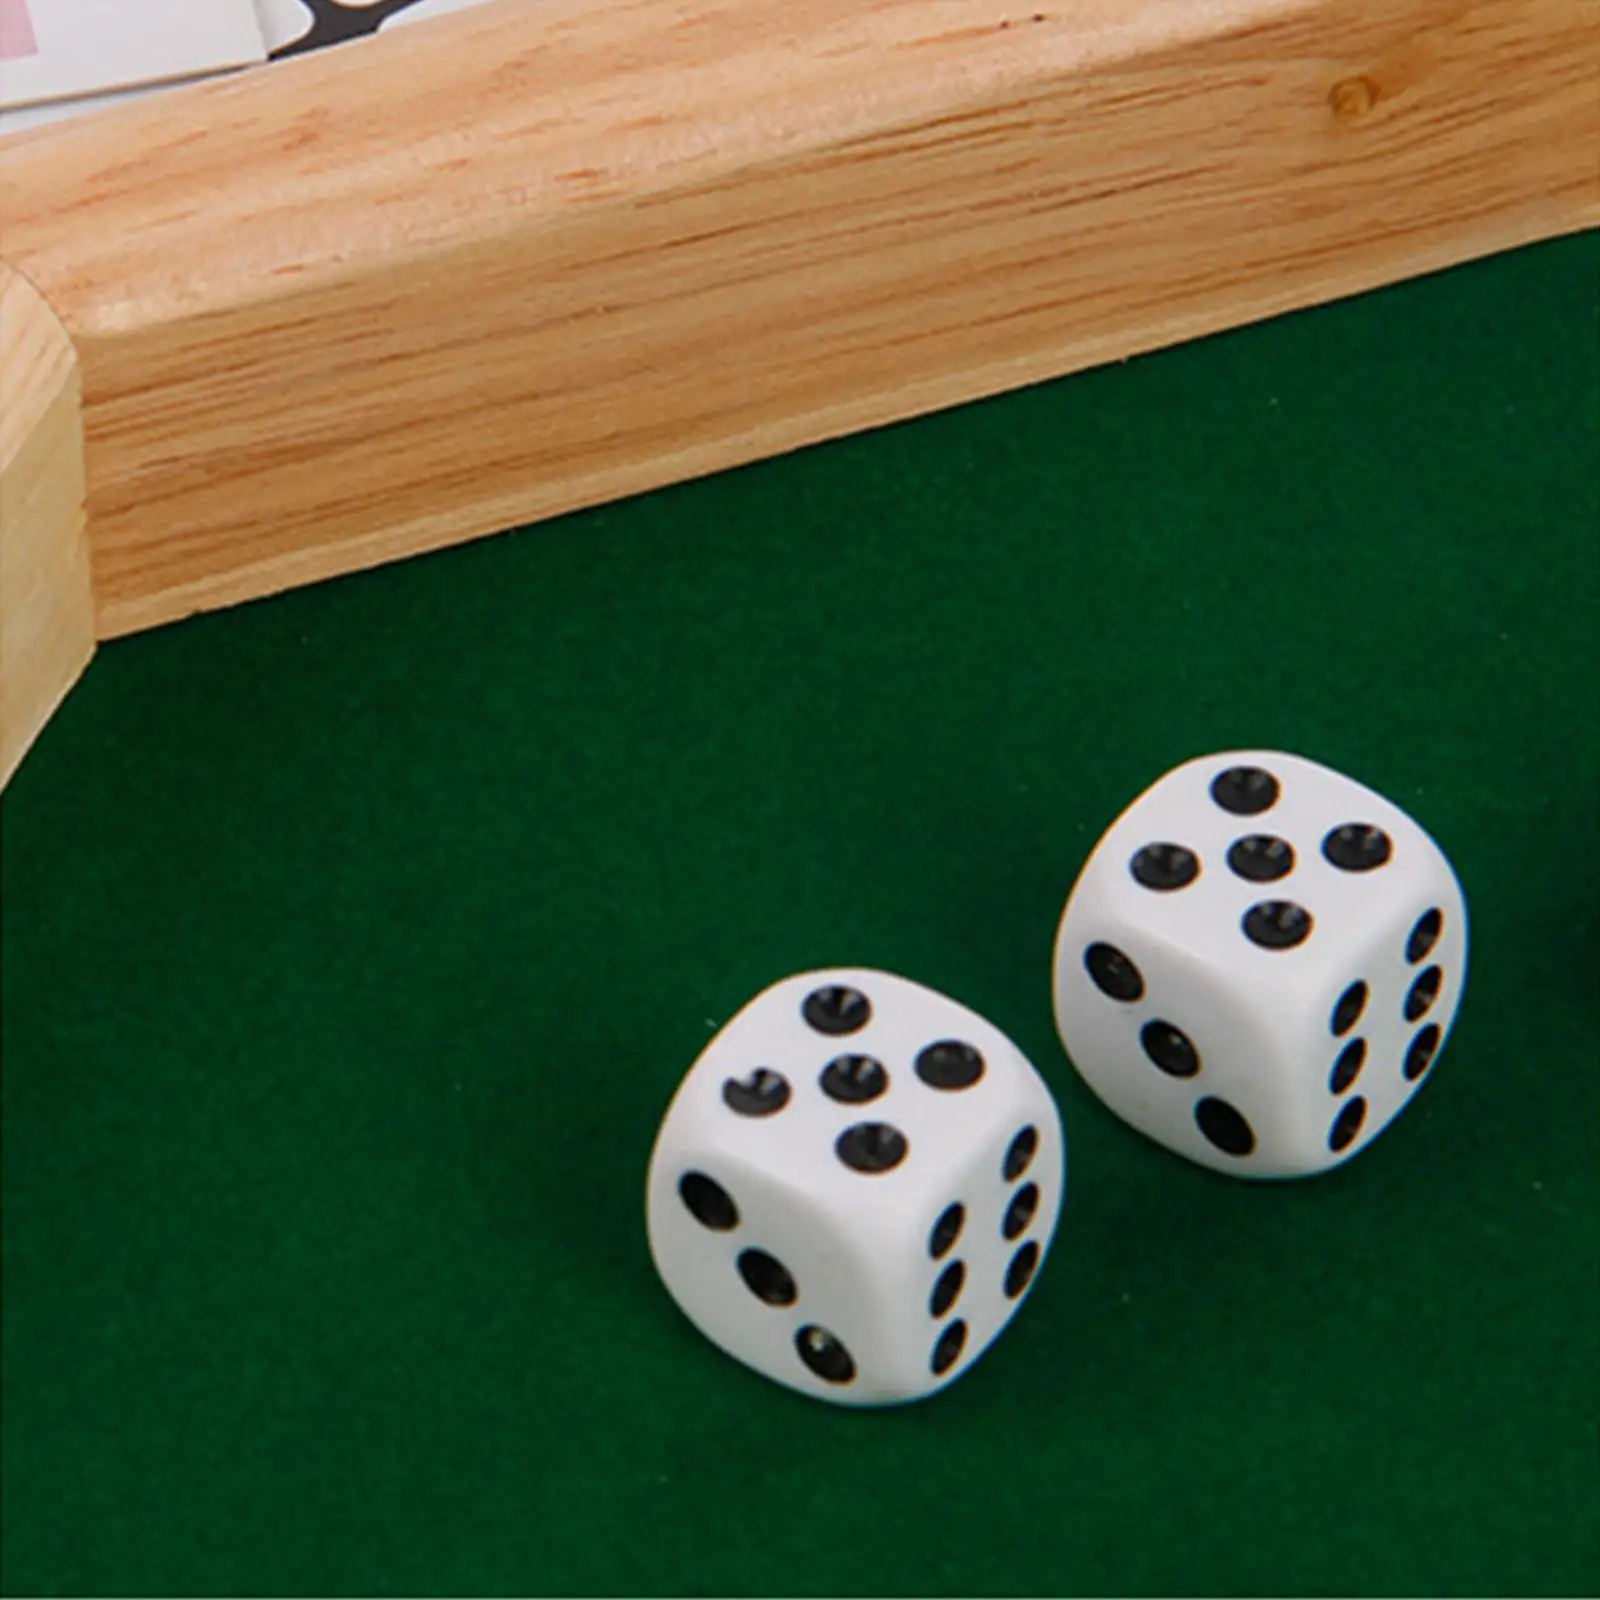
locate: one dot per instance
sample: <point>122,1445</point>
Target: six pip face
<point>855,1186</point>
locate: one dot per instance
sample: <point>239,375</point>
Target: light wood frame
<point>532,256</point>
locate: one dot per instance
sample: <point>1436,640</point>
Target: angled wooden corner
<point>46,610</point>
<point>524,258</point>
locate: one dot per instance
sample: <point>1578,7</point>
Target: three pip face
<point>856,1184</point>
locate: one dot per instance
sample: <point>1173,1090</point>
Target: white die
<point>854,1186</point>
<point>1212,1015</point>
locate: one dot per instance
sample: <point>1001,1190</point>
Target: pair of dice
<point>855,1185</point>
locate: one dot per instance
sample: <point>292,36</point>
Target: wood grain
<point>531,257</point>
<point>46,612</point>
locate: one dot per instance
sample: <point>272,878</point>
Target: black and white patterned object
<point>296,27</point>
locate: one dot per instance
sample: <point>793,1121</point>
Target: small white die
<point>854,1186</point>
<point>1259,963</point>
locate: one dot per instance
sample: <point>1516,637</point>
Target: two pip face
<point>855,1186</point>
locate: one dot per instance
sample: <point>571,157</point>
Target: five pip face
<point>855,1186</point>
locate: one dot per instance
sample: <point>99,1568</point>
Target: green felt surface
<point>355,941</point>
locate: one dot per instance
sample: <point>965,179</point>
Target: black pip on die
<point>1259,963</point>
<point>854,1186</point>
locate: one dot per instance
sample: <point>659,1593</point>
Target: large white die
<point>855,1185</point>
<point>1259,963</point>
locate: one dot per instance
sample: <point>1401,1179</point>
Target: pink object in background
<point>16,31</point>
